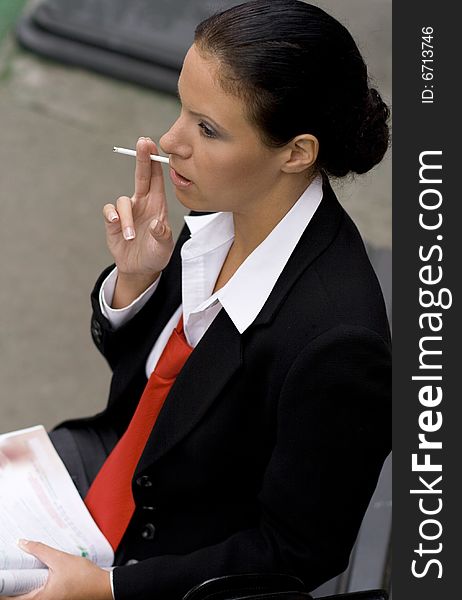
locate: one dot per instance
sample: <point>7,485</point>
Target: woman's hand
<point>70,577</point>
<point>138,234</point>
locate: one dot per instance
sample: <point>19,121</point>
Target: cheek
<point>237,168</point>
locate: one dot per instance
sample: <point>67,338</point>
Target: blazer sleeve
<point>104,335</point>
<point>333,434</point>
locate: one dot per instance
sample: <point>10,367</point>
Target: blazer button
<point>96,331</point>
<point>148,531</point>
<point>144,481</point>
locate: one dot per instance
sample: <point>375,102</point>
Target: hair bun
<point>372,138</point>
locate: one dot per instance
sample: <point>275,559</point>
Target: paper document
<point>39,502</point>
<point>21,581</point>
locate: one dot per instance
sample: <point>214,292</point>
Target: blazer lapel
<point>211,364</point>
<point>318,235</point>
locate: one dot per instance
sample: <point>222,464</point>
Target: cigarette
<point>127,152</point>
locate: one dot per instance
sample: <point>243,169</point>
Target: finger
<point>160,230</point>
<point>124,210</point>
<point>110,214</point>
<point>46,554</point>
<point>143,168</point>
<point>156,184</point>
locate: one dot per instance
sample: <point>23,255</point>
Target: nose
<point>174,141</point>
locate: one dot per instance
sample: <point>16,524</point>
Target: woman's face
<point>214,146</point>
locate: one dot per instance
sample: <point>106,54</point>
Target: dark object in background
<point>141,41</point>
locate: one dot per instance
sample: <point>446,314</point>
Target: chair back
<point>251,585</point>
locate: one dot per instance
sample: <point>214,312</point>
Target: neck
<point>254,225</point>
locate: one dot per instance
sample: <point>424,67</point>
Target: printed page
<point>39,502</point>
<point>17,582</point>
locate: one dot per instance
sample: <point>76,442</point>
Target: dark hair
<point>299,71</point>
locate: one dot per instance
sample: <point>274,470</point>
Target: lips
<point>179,180</point>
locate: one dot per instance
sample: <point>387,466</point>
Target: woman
<point>266,446</point>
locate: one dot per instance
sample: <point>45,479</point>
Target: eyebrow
<point>200,115</point>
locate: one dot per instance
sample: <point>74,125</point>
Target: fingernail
<point>22,543</point>
<point>129,233</point>
<point>113,216</point>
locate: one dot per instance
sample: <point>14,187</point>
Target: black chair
<point>267,586</point>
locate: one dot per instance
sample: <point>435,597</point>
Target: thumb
<point>44,553</point>
<point>159,230</point>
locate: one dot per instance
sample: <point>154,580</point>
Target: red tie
<point>109,499</point>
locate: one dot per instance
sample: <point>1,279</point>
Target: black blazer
<point>269,445</point>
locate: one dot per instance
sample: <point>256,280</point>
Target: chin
<point>192,203</point>
<point>183,199</point>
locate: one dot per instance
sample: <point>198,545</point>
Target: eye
<point>206,130</point>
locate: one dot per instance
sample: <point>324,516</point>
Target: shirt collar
<point>246,292</point>
<point>207,232</point>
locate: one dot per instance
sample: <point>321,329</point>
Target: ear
<point>303,153</point>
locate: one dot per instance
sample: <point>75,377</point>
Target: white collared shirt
<point>203,255</point>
